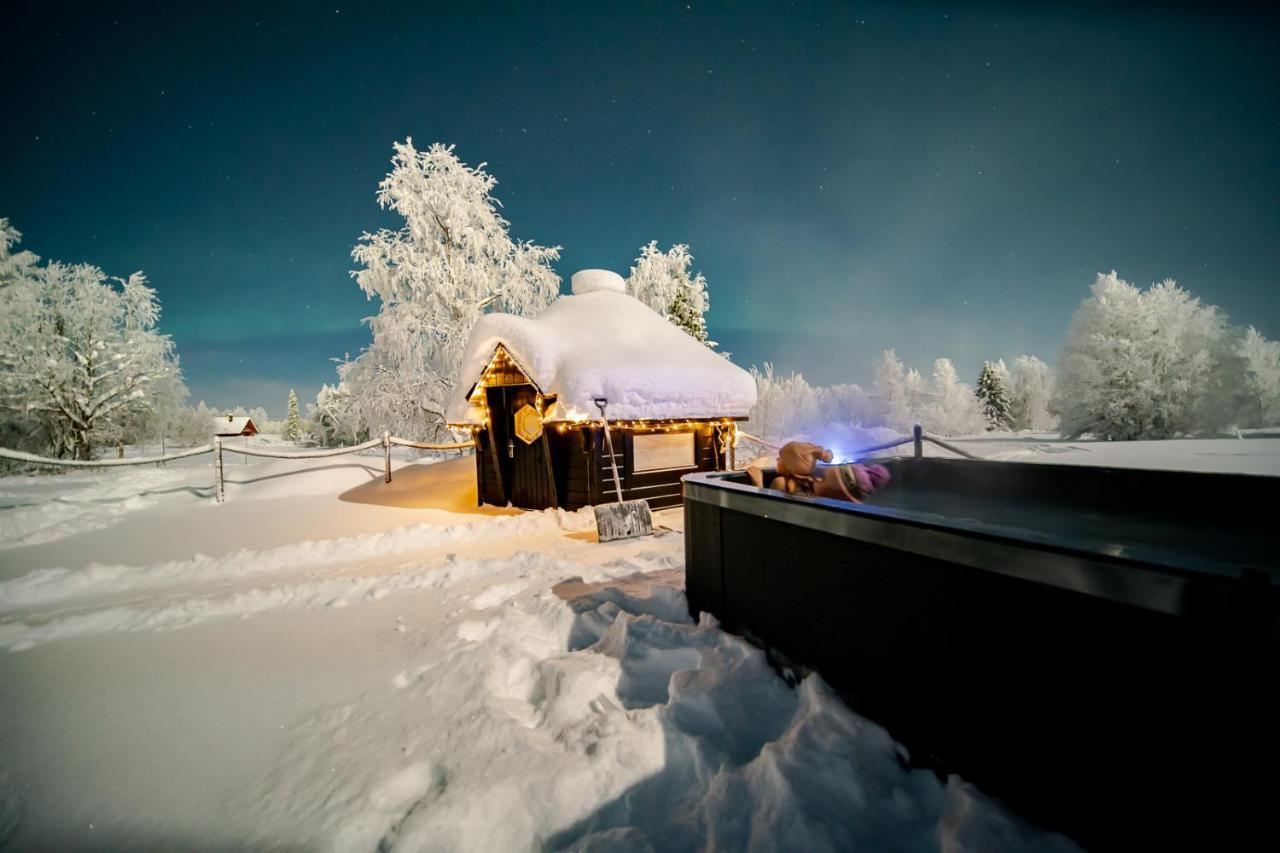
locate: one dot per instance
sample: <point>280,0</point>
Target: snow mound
<point>605,343</point>
<point>597,715</point>
<point>586,281</point>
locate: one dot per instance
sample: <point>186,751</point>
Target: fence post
<point>917,436</point>
<point>217,469</point>
<point>386,453</point>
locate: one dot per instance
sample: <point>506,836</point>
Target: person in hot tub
<point>799,472</point>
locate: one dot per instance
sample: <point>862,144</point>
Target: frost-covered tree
<point>333,419</point>
<point>292,425</point>
<point>952,407</point>
<point>664,282</point>
<point>1030,389</point>
<point>786,406</point>
<point>1138,364</point>
<point>14,266</point>
<point>79,351</point>
<point>1261,368</point>
<point>844,404</point>
<point>897,393</point>
<point>451,261</point>
<point>993,394</point>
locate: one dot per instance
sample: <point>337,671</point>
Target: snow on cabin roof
<point>601,342</point>
<point>234,425</point>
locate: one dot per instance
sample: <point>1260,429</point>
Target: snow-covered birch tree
<point>786,406</point>
<point>332,417</point>
<point>14,266</point>
<point>80,351</point>
<point>664,282</point>
<point>1261,359</point>
<point>952,407</point>
<point>899,391</point>
<point>1030,389</point>
<point>1139,364</point>
<point>451,261</point>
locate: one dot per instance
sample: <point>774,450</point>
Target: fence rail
<point>19,456</point>
<point>917,439</point>
<point>218,448</point>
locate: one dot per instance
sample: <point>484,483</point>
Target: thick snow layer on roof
<point>232,425</point>
<point>602,343</point>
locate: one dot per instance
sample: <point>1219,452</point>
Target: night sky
<point>941,179</point>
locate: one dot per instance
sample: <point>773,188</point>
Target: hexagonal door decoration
<point>528,424</point>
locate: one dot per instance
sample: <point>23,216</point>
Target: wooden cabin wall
<point>660,489</point>
<point>489,489</point>
<point>581,474</point>
<point>572,452</point>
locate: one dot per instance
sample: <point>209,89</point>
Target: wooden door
<point>526,468</point>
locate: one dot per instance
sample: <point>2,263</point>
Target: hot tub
<point>1095,646</point>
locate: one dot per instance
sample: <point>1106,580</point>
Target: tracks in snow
<point>50,604</point>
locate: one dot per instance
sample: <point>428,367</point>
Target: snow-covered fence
<point>19,456</point>
<point>917,439</point>
<point>218,448</point>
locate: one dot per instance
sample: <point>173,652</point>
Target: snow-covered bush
<point>1140,364</point>
<point>81,359</point>
<point>1030,389</point>
<point>662,280</point>
<point>450,262</point>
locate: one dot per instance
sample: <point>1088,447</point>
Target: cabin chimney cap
<point>585,281</point>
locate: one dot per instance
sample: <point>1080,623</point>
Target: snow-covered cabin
<point>234,425</point>
<point>528,386</point>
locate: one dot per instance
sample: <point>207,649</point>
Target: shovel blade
<point>624,520</point>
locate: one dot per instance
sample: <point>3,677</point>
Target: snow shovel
<point>625,519</point>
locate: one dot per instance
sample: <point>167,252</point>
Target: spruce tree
<point>683,313</point>
<point>293,427</point>
<point>994,397</point>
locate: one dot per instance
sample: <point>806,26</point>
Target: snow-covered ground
<point>327,661</point>
<point>1254,452</point>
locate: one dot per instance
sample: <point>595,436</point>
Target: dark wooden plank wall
<point>571,456</point>
<point>489,488</point>
<point>660,489</point>
<point>581,475</point>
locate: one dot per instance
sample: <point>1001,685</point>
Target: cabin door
<point>525,467</point>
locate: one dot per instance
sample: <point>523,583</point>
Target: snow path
<point>82,502</point>
<point>467,681</point>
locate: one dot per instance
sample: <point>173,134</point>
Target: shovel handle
<point>608,441</point>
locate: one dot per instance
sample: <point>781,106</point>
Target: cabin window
<point>662,451</point>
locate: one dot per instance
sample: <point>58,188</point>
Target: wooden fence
<point>386,442</point>
<point>917,439</point>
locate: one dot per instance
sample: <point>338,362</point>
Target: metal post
<point>217,469</point>
<point>386,453</point>
<point>917,436</point>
